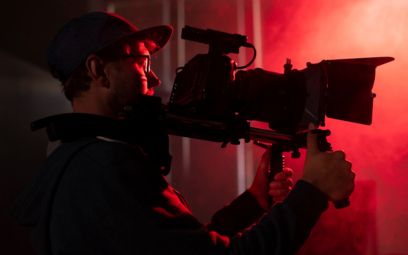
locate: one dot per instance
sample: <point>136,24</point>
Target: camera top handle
<point>220,43</point>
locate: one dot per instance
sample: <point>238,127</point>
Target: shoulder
<point>93,157</point>
<point>107,164</point>
<point>108,152</point>
<point>101,152</point>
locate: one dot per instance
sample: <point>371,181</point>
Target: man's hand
<point>328,171</point>
<point>281,185</point>
<point>276,190</point>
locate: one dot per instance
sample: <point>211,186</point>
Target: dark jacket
<point>99,197</point>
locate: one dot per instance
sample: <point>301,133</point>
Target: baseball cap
<point>93,32</point>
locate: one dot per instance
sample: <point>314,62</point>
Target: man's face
<point>128,75</point>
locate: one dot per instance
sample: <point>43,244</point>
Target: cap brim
<point>160,35</point>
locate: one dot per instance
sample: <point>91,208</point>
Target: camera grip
<point>276,164</point>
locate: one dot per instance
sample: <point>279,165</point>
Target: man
<point>107,195</point>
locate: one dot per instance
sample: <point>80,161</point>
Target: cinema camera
<point>211,88</point>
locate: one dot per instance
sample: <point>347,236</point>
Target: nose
<point>153,80</point>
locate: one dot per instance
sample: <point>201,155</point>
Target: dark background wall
<point>27,92</point>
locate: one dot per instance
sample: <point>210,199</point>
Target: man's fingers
<point>275,193</point>
<point>282,184</point>
<point>339,155</point>
<point>264,164</point>
<point>312,143</point>
<point>287,172</point>
<point>265,161</point>
<point>349,165</point>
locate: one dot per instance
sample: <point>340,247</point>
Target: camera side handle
<point>324,145</point>
<point>277,161</point>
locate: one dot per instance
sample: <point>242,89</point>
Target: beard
<point>127,93</point>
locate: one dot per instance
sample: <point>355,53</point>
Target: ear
<point>96,69</point>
